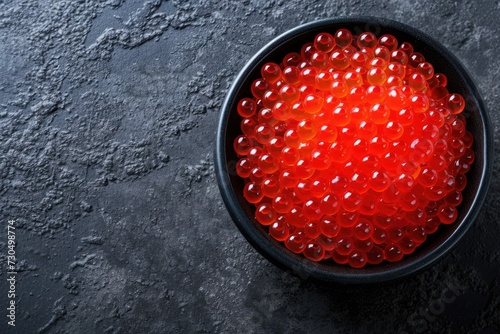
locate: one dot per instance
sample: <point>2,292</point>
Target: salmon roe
<point>352,149</point>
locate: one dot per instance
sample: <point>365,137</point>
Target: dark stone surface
<point>107,122</point>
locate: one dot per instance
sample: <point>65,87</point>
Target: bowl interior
<point>436,244</point>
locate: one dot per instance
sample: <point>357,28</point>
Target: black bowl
<point>437,244</point>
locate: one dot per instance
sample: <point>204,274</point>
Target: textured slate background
<point>107,122</point>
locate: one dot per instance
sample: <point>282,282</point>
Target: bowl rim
<point>306,268</point>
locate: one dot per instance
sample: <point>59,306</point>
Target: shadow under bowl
<point>437,244</point>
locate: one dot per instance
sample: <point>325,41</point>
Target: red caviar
<point>353,149</point>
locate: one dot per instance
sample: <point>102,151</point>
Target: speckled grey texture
<point>107,125</point>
